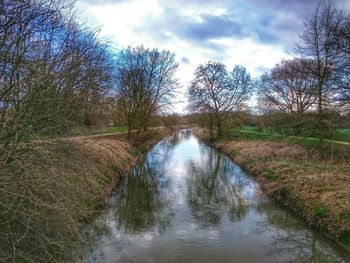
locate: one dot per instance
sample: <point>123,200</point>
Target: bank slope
<point>50,192</point>
<point>318,190</point>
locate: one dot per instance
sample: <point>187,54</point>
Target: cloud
<point>254,33</point>
<point>261,69</point>
<point>238,22</point>
<point>299,7</point>
<point>185,60</point>
<point>211,27</point>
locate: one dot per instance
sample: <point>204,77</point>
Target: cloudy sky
<point>256,34</point>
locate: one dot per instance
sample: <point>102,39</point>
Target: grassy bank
<point>50,192</point>
<point>293,174</point>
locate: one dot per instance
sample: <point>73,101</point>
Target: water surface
<point>186,202</point>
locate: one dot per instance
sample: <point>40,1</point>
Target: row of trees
<point>315,85</point>
<point>311,90</point>
<point>56,75</point>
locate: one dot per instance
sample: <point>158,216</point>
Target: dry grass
<point>319,190</point>
<point>47,195</point>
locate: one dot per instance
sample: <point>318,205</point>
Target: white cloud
<point>124,23</point>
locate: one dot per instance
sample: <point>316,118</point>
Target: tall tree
<point>341,35</point>
<point>54,73</point>
<point>317,44</point>
<point>290,86</point>
<point>147,83</point>
<point>216,92</point>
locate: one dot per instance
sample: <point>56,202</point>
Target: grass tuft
<point>271,176</point>
<point>320,211</point>
<point>345,238</point>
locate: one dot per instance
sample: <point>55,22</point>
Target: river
<point>187,202</point>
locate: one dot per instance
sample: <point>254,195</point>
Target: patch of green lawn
<point>308,142</point>
<point>342,135</point>
<point>254,135</point>
<point>249,128</point>
<point>114,129</point>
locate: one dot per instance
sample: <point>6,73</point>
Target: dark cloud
<point>264,36</point>
<point>205,27</point>
<point>300,7</point>
<point>271,22</point>
<point>173,25</point>
<point>185,60</point>
<point>279,29</point>
<point>270,25</point>
<point>211,27</point>
<point>279,22</point>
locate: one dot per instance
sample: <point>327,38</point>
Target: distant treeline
<point>309,94</point>
<point>57,76</point>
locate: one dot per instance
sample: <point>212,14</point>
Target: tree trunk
<point>129,131</point>
<point>320,124</point>
<point>219,126</point>
<point>146,122</point>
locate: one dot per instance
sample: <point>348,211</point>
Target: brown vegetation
<point>57,188</point>
<point>296,177</point>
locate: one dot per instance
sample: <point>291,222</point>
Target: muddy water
<point>186,202</point>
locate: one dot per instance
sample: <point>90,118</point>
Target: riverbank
<point>293,175</point>
<point>59,186</point>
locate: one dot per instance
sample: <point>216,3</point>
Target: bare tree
<point>290,86</point>
<point>54,76</point>
<point>317,44</point>
<point>266,110</point>
<point>146,84</point>
<point>341,34</point>
<point>216,92</point>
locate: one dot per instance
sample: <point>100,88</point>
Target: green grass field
<point>114,129</point>
<point>341,135</point>
<point>341,144</point>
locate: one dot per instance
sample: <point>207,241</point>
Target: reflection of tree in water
<point>141,203</point>
<point>291,237</point>
<point>211,193</point>
<point>177,137</point>
<point>186,133</point>
<point>164,149</point>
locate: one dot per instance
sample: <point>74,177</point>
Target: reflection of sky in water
<point>188,203</point>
